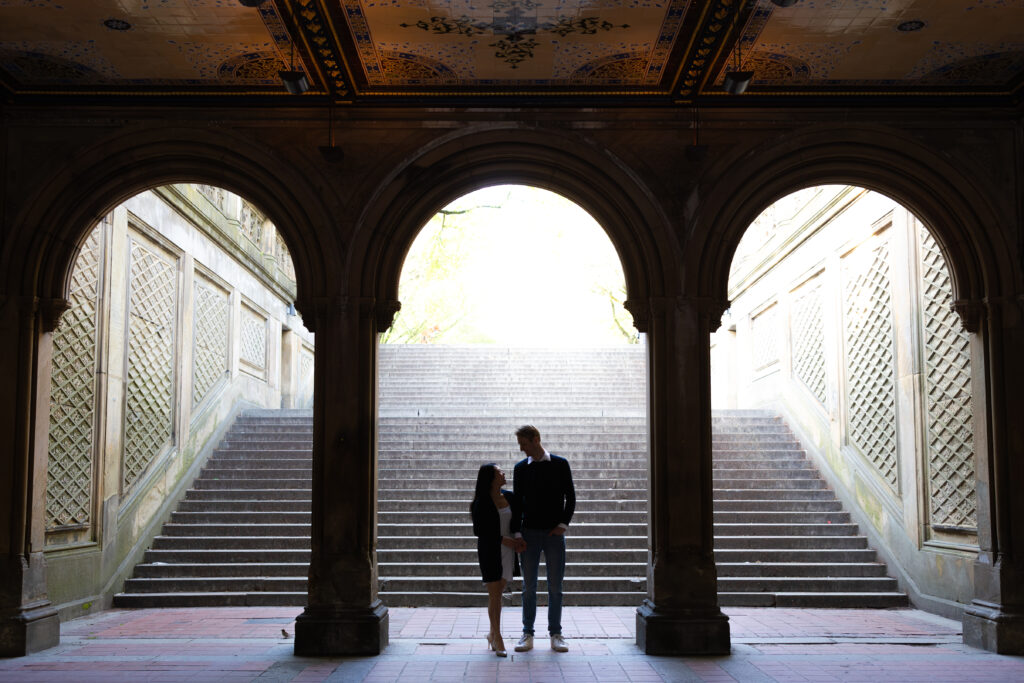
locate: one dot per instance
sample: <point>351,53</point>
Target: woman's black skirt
<point>488,552</point>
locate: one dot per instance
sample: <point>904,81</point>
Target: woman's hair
<point>484,481</point>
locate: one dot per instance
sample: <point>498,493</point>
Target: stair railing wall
<point>841,318</point>
<point>172,330</point>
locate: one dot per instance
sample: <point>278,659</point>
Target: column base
<point>30,629</point>
<point>987,627</point>
<point>681,632</point>
<point>323,631</point>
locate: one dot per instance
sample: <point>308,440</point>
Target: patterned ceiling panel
<point>523,43</point>
<point>100,45</point>
<point>372,50</point>
<point>884,45</point>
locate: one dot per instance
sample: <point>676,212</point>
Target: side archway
<point>966,219</point>
<point>46,227</point>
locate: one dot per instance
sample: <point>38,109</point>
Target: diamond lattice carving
<point>253,339</point>
<point>764,334</point>
<point>149,394</point>
<point>210,337</point>
<point>871,400</point>
<point>305,366</point>
<point>72,395</point>
<point>808,332</point>
<point>947,368</point>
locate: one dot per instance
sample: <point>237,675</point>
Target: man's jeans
<point>553,547</point>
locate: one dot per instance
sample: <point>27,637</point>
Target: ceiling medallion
<point>511,22</point>
<point>909,26</point>
<point>117,24</point>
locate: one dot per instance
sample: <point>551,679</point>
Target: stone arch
<point>948,200</point>
<point>56,218</point>
<point>461,163</point>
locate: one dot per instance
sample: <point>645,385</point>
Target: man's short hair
<point>528,432</point>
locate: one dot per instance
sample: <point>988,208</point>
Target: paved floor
<point>254,644</point>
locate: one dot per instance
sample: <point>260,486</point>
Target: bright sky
<point>532,266</point>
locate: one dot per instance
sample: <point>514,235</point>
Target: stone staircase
<point>241,536</point>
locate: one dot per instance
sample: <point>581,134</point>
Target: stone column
<point>680,615</point>
<point>344,616</point>
<point>994,620</point>
<point>28,622</point>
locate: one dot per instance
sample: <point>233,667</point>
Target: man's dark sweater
<point>546,492</point>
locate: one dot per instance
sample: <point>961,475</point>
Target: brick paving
<point>202,645</point>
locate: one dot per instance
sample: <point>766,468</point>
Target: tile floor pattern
<point>254,644</point>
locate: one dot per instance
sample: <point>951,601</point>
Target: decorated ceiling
<point>381,50</point>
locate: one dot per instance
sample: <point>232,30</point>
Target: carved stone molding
<point>972,313</point>
<point>640,310</point>
<point>709,309</point>
<point>385,313</point>
<point>381,311</point>
<point>52,310</point>
<point>307,310</point>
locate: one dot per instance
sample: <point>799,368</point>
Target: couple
<point>530,519</point>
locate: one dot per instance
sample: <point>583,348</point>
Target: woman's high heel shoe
<point>497,652</point>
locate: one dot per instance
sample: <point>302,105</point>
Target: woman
<point>496,517</point>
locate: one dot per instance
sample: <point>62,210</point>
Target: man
<point>543,483</point>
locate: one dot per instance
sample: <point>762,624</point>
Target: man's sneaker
<point>558,643</point>
<point>525,643</point>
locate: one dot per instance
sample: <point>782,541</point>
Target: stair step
<point>241,534</point>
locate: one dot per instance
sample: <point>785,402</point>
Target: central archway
<point>680,614</point>
<point>511,315</point>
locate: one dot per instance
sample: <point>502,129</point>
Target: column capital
<point>52,311</point>
<point>709,310</point>
<point>972,313</point>
<point>320,309</point>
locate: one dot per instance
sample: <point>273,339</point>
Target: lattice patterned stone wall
<point>871,380</point>
<point>306,361</point>
<point>253,342</point>
<point>764,335</point>
<point>808,334</point>
<point>947,379</point>
<point>149,391</point>
<point>211,316</point>
<point>73,395</point>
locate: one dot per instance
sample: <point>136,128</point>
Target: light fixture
<point>910,26</point>
<point>294,81</point>
<point>785,3</point>
<point>117,24</point>
<point>251,3</point>
<point>330,153</point>
<point>736,81</point>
